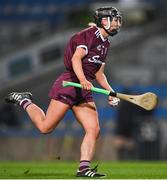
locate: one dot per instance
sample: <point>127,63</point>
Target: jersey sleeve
<point>83,40</point>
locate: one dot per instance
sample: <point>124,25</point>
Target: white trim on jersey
<point>85,47</point>
<point>98,34</point>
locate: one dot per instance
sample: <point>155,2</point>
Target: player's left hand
<point>113,101</point>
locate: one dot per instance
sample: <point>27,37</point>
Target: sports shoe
<point>91,173</point>
<point>16,98</point>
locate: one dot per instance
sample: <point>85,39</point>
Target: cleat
<point>91,173</point>
<point>16,98</point>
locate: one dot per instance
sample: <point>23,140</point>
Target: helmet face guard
<point>109,13</point>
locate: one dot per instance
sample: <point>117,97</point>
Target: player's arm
<point>77,67</point>
<point>102,80</point>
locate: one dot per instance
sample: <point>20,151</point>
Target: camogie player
<point>84,61</point>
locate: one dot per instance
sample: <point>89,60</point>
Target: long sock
<point>84,164</point>
<point>25,103</point>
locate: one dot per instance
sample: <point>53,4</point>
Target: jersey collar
<point>101,36</point>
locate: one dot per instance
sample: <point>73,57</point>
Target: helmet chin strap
<point>107,27</point>
<point>111,33</point>
<point>108,23</point>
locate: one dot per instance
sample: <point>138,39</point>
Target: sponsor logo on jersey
<point>95,59</point>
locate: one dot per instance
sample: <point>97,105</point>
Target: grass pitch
<point>66,170</point>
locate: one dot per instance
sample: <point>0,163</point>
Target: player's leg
<point>87,116</point>
<point>47,123</point>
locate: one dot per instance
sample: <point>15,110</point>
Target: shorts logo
<point>63,97</point>
<point>95,59</point>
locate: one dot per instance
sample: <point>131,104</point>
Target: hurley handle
<point>93,89</point>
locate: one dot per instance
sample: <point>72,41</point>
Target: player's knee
<point>45,130</point>
<point>97,132</point>
<point>94,131</point>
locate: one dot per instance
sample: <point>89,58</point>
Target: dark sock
<point>84,164</point>
<point>25,103</point>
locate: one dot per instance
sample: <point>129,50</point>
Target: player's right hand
<point>87,85</point>
<point>113,101</point>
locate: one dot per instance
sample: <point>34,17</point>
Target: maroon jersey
<point>96,48</point>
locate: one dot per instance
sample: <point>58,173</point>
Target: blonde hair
<point>91,24</point>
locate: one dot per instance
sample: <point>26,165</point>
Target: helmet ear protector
<point>109,13</point>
